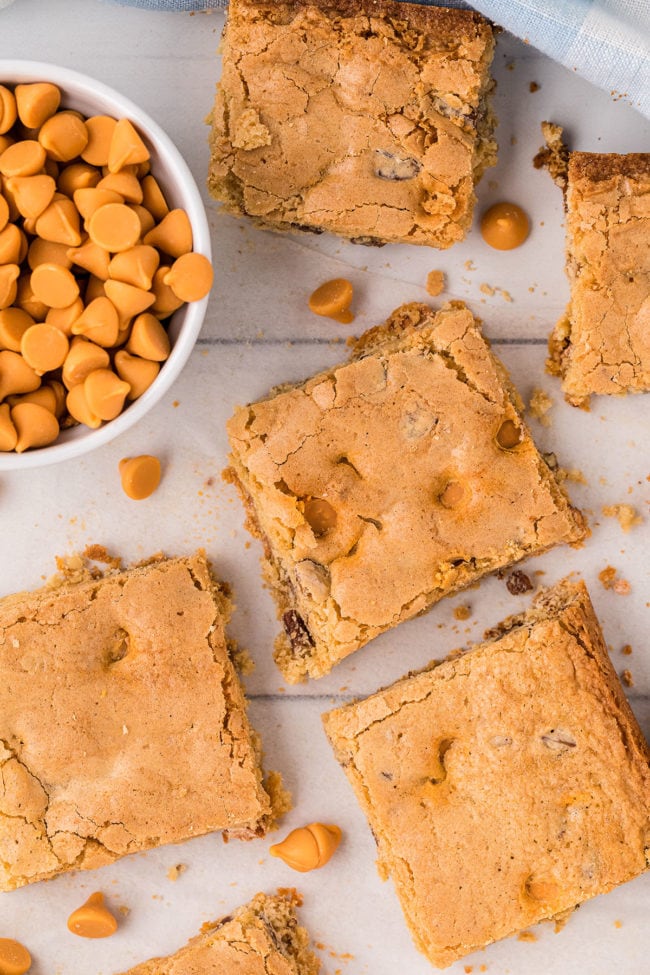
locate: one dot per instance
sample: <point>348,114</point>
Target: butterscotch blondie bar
<point>365,118</point>
<point>122,722</point>
<point>526,786</point>
<point>261,938</point>
<point>386,483</point>
<point>602,343</point>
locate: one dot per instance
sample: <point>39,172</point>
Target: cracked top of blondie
<point>390,481</point>
<point>602,344</point>
<point>260,938</point>
<point>367,119</point>
<point>122,721</point>
<point>526,789</point>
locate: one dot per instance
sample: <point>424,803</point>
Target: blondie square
<point>261,938</point>
<point>602,343</point>
<point>506,785</point>
<point>122,722</point>
<point>386,483</point>
<point>365,118</point>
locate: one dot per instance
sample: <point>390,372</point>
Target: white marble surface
<point>259,332</point>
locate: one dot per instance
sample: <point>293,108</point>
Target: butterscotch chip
<point>367,120</point>
<point>79,409</point>
<point>11,240</point>
<point>505,226</point>
<point>138,373</point>
<point>16,376</point>
<point>14,322</point>
<point>126,147</point>
<point>149,339</point>
<point>91,257</point>
<point>125,183</point>
<point>81,360</point>
<point>100,129</point>
<point>36,103</point>
<point>308,847</point>
<point>65,318</point>
<point>4,212</point>
<point>173,234</point>
<point>7,109</point>
<point>9,274</point>
<point>25,158</point>
<point>54,285</point>
<point>190,277</point>
<point>422,395</point>
<point>113,226</point>
<point>601,345</point>
<point>14,957</point>
<point>153,198</point>
<point>35,425</point>
<point>105,393</point>
<point>63,136</point>
<point>99,322</point>
<point>48,252</point>
<point>77,176</point>
<point>140,476</point>
<point>527,783</point>
<point>262,936</point>
<point>128,299</point>
<point>136,266</point>
<point>332,300</point>
<point>88,199</point>
<point>60,222</point>
<point>166,301</point>
<point>8,434</point>
<point>93,919</point>
<point>44,347</point>
<point>133,670</point>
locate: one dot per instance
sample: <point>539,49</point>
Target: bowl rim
<point>19,71</point>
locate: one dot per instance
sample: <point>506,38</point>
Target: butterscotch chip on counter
<point>601,345</point>
<point>526,790</point>
<point>383,484</point>
<point>262,936</point>
<point>152,742</point>
<point>368,119</point>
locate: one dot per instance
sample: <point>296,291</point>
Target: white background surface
<point>259,332</point>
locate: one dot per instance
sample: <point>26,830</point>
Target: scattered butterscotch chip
<point>539,405</point>
<point>626,677</point>
<point>626,515</point>
<point>462,612</point>
<point>518,583</point>
<point>436,283</point>
<point>505,226</point>
<point>309,847</point>
<point>140,476</point>
<point>14,957</point>
<point>93,919</point>
<point>332,300</point>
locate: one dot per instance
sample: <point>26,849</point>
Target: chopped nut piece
<point>518,583</point>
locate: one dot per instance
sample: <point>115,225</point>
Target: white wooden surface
<point>259,332</point>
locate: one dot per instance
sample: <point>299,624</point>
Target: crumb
<point>469,265</point>
<point>526,936</point>
<point>562,918</point>
<point>626,650</point>
<point>618,924</point>
<point>626,515</point>
<point>513,140</point>
<point>627,678</point>
<point>176,403</point>
<point>572,474</point>
<point>462,612</point>
<point>124,910</point>
<point>174,872</point>
<point>487,289</point>
<point>609,580</point>
<point>533,86</point>
<point>539,405</point>
<point>518,583</point>
<point>468,969</point>
<point>435,283</point>
<point>244,663</point>
<point>295,897</point>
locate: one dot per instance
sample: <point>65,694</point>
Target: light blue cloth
<point>605,41</point>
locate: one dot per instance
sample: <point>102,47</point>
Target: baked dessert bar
<point>383,484</point>
<point>261,937</point>
<point>365,118</point>
<point>122,722</point>
<point>602,343</point>
<point>526,788</point>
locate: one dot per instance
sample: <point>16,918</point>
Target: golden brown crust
<point>598,166</point>
<point>153,744</point>
<point>369,120</point>
<point>527,785</point>
<point>422,394</point>
<point>261,938</point>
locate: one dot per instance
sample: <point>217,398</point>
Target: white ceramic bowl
<point>170,169</point>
